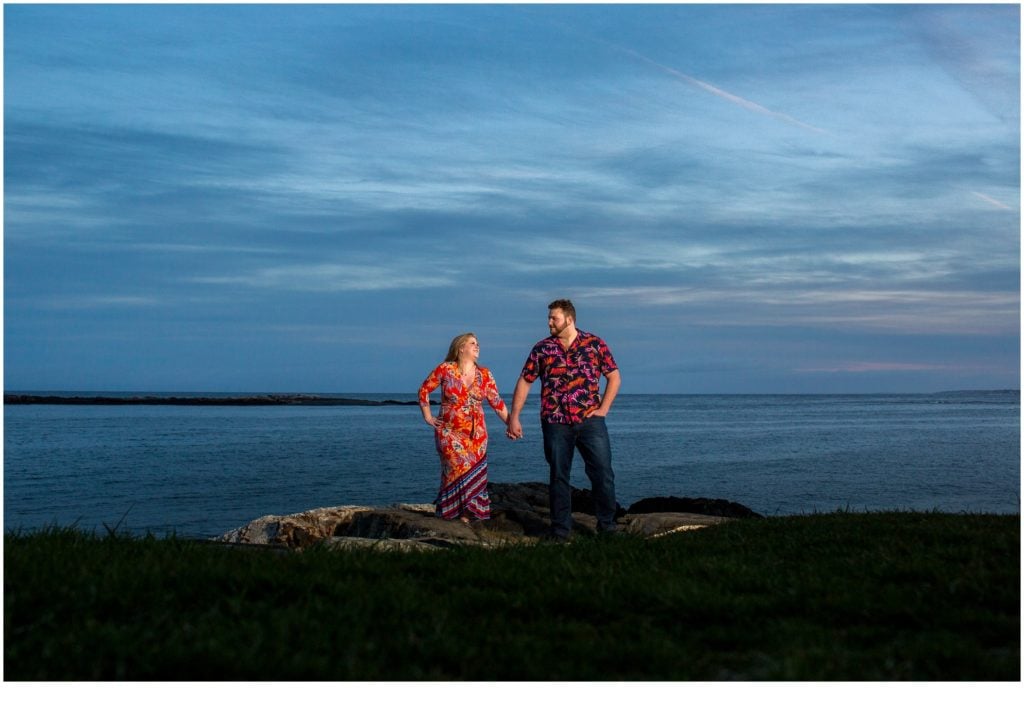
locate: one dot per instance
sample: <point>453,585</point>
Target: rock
<point>526,505</point>
<point>583,502</point>
<point>709,507</point>
<point>295,530</point>
<point>519,514</point>
<point>656,525</point>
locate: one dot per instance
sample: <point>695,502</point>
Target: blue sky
<point>745,198</point>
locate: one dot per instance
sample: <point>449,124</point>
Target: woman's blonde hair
<point>457,343</point>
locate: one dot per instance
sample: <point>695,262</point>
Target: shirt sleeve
<point>607,361</point>
<point>531,368</point>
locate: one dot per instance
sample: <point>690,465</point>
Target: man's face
<point>557,322</point>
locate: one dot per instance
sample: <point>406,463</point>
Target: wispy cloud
<point>735,262</point>
<point>895,311</point>
<point>197,248</point>
<point>979,47</point>
<point>874,366</point>
<point>93,302</point>
<point>331,277</point>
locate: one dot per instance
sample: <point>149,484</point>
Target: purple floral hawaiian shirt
<point>570,387</point>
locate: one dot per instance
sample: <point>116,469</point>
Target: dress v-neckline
<point>462,377</point>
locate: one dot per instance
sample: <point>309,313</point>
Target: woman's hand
<point>515,429</point>
<point>434,421</point>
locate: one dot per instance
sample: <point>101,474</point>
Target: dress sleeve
<point>491,391</point>
<point>430,384</point>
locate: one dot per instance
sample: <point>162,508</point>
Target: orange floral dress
<point>461,439</point>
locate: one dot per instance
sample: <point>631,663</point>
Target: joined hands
<point>514,431</point>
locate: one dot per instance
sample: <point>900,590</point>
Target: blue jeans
<point>591,439</point>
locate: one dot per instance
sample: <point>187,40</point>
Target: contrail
<point>708,87</point>
<point>735,99</point>
<point>991,200</point>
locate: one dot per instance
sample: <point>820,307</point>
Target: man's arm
<point>612,381</point>
<point>515,428</point>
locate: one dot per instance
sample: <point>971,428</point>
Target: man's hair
<point>566,307</point>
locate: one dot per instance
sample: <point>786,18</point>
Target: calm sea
<point>201,471</point>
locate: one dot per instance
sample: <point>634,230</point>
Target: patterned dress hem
<point>466,496</point>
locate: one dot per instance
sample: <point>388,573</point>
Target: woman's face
<point>470,349</point>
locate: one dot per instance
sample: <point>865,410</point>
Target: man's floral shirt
<point>570,379</point>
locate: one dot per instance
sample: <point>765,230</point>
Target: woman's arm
<point>493,398</point>
<point>429,385</point>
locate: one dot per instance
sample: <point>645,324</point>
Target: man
<point>570,363</point>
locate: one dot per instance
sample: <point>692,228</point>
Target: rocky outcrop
<point>519,514</point>
<point>709,507</point>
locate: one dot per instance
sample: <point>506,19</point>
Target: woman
<point>460,431</point>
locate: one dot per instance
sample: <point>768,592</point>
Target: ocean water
<point>203,470</point>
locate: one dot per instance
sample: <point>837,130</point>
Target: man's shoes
<point>554,538</point>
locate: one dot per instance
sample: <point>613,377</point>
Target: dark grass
<point>891,596</point>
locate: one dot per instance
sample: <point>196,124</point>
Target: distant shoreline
<point>311,399</point>
<point>255,400</point>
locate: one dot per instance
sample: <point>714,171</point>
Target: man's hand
<point>515,429</point>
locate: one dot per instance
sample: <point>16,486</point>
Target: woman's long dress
<point>461,439</point>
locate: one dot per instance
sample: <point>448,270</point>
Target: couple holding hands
<point>570,364</point>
